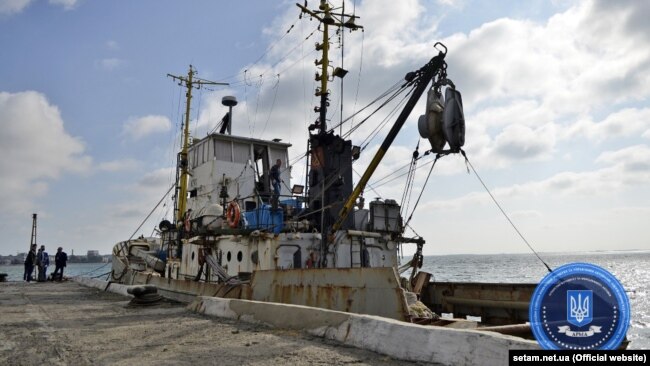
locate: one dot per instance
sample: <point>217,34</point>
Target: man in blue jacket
<point>42,260</point>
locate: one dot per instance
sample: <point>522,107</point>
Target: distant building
<point>93,253</point>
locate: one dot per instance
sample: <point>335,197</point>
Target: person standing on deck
<point>29,264</point>
<point>60,260</point>
<point>42,260</point>
<point>275,177</point>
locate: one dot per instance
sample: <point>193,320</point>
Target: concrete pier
<point>70,324</point>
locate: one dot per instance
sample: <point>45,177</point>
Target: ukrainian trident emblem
<point>580,307</point>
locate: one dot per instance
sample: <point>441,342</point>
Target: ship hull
<point>373,291</point>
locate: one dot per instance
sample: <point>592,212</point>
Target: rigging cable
<point>381,126</point>
<point>198,110</point>
<point>257,102</point>
<point>263,54</point>
<point>356,97</point>
<point>438,156</point>
<point>303,73</point>
<point>503,212</point>
<point>390,90</point>
<point>248,117</point>
<point>276,42</point>
<point>398,91</point>
<point>383,181</point>
<point>410,180</point>
<point>147,218</point>
<point>275,95</point>
<point>261,75</point>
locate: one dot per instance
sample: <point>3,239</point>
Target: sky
<point>556,98</point>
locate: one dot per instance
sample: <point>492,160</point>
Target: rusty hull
<point>374,291</point>
<point>495,303</point>
<point>185,290</point>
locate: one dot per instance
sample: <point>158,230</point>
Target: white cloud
<point>110,63</point>
<point>622,168</point>
<point>118,165</point>
<point>138,128</point>
<point>597,64</point>
<point>112,45</point>
<point>455,3</point>
<point>66,4</point>
<point>522,142</point>
<point>623,123</point>
<point>526,215</point>
<point>36,149</point>
<point>157,179</point>
<point>631,164</point>
<point>524,83</point>
<point>9,7</point>
<point>143,196</point>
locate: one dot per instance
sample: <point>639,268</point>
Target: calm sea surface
<point>15,272</point>
<point>631,268</point>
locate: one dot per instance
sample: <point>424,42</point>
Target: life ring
<point>232,214</point>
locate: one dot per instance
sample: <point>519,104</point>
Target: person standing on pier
<point>60,260</point>
<point>29,264</point>
<point>42,261</point>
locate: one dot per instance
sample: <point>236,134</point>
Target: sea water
<point>631,268</point>
<point>15,272</point>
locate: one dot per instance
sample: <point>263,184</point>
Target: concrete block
<point>394,338</point>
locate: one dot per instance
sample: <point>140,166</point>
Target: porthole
<point>192,255</point>
<point>240,256</point>
<point>228,256</point>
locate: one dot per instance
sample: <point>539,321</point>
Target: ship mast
<point>189,82</point>
<point>33,240</point>
<point>327,19</point>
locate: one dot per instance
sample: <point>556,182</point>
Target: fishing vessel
<point>241,229</point>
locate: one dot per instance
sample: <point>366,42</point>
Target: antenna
<point>229,101</point>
